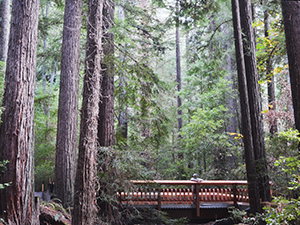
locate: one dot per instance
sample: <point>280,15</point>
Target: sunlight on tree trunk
<point>4,35</point>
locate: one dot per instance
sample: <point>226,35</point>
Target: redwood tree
<point>245,111</point>
<point>106,133</point>
<point>5,16</point>
<point>66,141</point>
<point>84,199</point>
<point>254,99</point>
<point>291,19</point>
<point>16,132</point>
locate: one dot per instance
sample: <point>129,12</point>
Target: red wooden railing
<point>194,193</point>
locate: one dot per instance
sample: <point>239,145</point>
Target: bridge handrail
<point>234,193</point>
<point>189,182</point>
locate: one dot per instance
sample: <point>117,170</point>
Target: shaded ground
<point>54,214</point>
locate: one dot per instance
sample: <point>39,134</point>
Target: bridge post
<point>234,196</point>
<point>197,200</point>
<point>159,200</point>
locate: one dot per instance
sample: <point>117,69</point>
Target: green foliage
<point>285,208</point>
<point>2,170</point>
<point>286,212</point>
<point>241,217</point>
<point>284,161</point>
<point>45,134</point>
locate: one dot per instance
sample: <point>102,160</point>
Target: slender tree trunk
<point>106,132</point>
<point>84,200</point>
<point>254,100</point>
<point>270,76</point>
<point>122,121</point>
<point>4,35</point>
<point>17,127</point>
<point>67,123</point>
<point>178,79</point>
<point>46,106</point>
<point>245,111</point>
<point>291,19</point>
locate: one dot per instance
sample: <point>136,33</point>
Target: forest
<point>97,93</point>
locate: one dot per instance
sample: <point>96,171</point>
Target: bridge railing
<point>185,192</point>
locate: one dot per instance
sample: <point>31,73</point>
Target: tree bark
<point>291,19</point>
<point>245,112</point>
<point>67,124</point>
<point>106,132</point>
<point>17,127</point>
<point>84,197</point>
<point>254,99</point>
<point>4,36</point>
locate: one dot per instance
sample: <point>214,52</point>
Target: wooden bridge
<point>207,199</point>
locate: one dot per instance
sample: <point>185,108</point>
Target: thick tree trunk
<point>106,132</point>
<point>291,19</point>
<point>67,124</point>
<point>245,111</point>
<point>84,199</point>
<point>17,127</point>
<point>254,100</point>
<point>4,35</point>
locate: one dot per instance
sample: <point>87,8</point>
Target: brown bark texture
<point>291,19</point>
<point>84,196</point>
<point>67,124</point>
<point>245,111</point>
<point>16,132</point>
<point>106,131</point>
<point>4,35</point>
<point>254,99</point>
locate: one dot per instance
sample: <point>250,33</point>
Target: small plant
<point>2,170</point>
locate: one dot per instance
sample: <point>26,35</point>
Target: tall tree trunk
<point>178,79</point>
<point>4,35</point>
<point>254,100</point>
<point>122,120</point>
<point>84,200</point>
<point>106,132</point>
<point>270,76</point>
<point>291,19</point>
<point>67,123</point>
<point>245,111</point>
<point>46,106</point>
<point>17,127</point>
